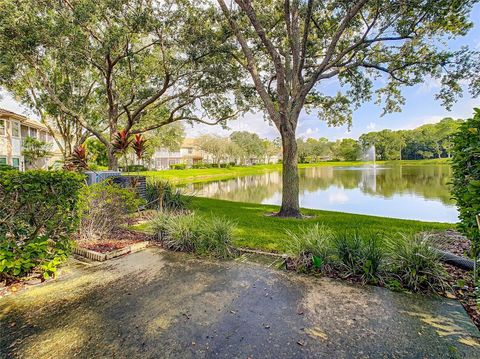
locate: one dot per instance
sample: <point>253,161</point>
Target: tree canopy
<point>115,65</point>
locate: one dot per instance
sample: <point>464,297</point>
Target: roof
<point>189,142</point>
<point>24,120</point>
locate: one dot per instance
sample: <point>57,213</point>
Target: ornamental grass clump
<point>188,232</point>
<point>415,262</point>
<point>311,248</point>
<point>359,254</point>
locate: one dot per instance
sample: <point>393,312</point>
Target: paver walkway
<point>155,304</point>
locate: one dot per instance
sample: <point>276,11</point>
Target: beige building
<point>14,128</point>
<point>189,153</point>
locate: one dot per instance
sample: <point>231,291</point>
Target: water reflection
<point>402,191</point>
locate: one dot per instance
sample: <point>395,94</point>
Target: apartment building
<point>189,153</point>
<point>14,128</point>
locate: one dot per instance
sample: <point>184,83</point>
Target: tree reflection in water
<point>404,191</point>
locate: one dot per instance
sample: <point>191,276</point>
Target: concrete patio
<point>156,304</point>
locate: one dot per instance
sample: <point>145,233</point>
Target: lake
<point>401,191</point>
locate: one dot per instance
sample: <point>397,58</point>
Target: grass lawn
<point>256,230</point>
<point>210,174</point>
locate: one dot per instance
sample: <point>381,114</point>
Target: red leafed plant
<point>138,145</point>
<point>78,161</point>
<point>121,141</point>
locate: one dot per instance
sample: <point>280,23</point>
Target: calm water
<point>411,192</point>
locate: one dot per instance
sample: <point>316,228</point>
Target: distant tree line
<point>424,142</point>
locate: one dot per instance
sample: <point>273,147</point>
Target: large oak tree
<point>111,65</point>
<point>291,47</point>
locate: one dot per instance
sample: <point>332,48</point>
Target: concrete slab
<point>155,304</point>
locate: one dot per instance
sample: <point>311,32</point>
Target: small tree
<point>466,176</point>
<point>34,151</point>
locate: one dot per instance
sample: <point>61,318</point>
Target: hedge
<point>466,176</point>
<point>38,213</point>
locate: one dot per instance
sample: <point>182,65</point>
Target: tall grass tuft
<point>311,248</point>
<point>359,254</point>
<point>192,233</point>
<point>414,261</point>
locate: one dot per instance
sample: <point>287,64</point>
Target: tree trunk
<point>112,159</point>
<point>290,192</point>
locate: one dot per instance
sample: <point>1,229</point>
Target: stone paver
<point>155,304</point>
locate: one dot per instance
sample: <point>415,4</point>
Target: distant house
<point>189,153</point>
<point>14,128</point>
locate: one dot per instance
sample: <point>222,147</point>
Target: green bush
<point>192,233</point>
<point>466,177</point>
<point>103,209</point>
<point>311,248</point>
<point>178,166</point>
<point>414,261</point>
<point>161,195</point>
<point>134,168</point>
<point>200,165</point>
<point>39,213</point>
<point>4,167</point>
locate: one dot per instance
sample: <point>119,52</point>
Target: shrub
<point>466,177</point>
<point>183,232</point>
<point>311,247</point>
<point>415,262</point>
<point>199,165</point>
<point>104,207</point>
<point>39,213</point>
<point>134,168</point>
<point>4,167</point>
<point>216,238</point>
<point>192,233</point>
<point>161,195</point>
<point>178,166</point>
<point>359,254</point>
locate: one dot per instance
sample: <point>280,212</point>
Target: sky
<point>420,108</point>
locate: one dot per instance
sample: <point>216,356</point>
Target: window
<point>33,132</point>
<point>43,136</point>
<point>2,128</point>
<point>15,129</point>
<point>190,151</point>
<point>3,160</point>
<point>16,162</point>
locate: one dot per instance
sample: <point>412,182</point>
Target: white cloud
<point>371,126</point>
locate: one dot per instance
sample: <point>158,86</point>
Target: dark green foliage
<point>39,212</point>
<point>4,167</point>
<point>466,176</point>
<point>134,168</point>
<point>178,166</point>
<point>359,254</point>
<point>161,195</point>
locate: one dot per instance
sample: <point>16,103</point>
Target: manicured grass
<point>256,229</point>
<point>210,174</point>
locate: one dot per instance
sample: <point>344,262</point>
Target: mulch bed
<point>119,239</point>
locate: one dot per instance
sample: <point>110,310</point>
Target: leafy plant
<point>34,150</point>
<point>161,195</point>
<point>414,261</point>
<point>4,167</point>
<point>121,141</point>
<point>178,166</point>
<point>466,177</point>
<point>138,145</point>
<point>78,161</point>
<point>103,209</point>
<point>39,213</point>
